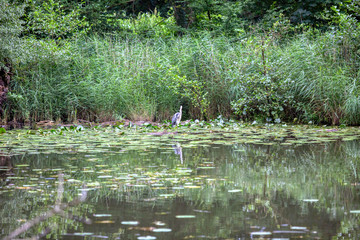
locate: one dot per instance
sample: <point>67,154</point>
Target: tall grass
<point>321,86</point>
<point>108,78</point>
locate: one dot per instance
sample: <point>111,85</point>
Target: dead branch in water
<point>59,209</point>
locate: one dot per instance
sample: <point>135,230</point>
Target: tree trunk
<point>182,13</point>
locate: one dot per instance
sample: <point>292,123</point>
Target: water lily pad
<point>130,222</point>
<point>167,195</point>
<point>298,228</point>
<point>162,230</point>
<point>146,238</point>
<point>102,215</point>
<point>185,216</point>
<point>310,200</point>
<point>105,222</point>
<point>355,211</point>
<point>83,234</point>
<point>105,176</point>
<point>159,223</point>
<point>205,167</point>
<point>234,190</point>
<point>192,186</point>
<point>261,233</point>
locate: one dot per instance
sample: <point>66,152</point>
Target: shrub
<point>51,20</point>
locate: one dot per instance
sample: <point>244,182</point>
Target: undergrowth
<point>252,78</point>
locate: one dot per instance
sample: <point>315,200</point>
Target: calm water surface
<point>239,191</point>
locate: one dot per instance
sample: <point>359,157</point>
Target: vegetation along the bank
<point>269,61</point>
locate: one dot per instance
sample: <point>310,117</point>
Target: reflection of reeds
<point>58,209</point>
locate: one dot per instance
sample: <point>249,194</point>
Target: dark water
<point>197,192</point>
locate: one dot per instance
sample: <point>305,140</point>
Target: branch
<point>58,209</point>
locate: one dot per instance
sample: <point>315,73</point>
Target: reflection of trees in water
<point>306,167</point>
<point>49,212</point>
<point>274,181</point>
<point>341,158</point>
<point>6,167</point>
<point>325,172</point>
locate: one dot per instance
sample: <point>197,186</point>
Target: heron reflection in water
<point>178,151</point>
<point>176,118</point>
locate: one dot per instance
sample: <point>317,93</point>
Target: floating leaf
<point>22,165</point>
<point>355,211</point>
<point>310,200</point>
<point>105,222</point>
<point>159,223</point>
<point>167,195</point>
<point>185,216</point>
<point>192,186</point>
<point>83,234</point>
<point>298,228</point>
<point>105,176</point>
<point>102,215</point>
<point>205,167</point>
<point>130,222</point>
<point>261,233</point>
<point>234,190</point>
<point>162,230</point>
<point>146,238</point>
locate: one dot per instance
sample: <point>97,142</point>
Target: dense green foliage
<point>252,60</point>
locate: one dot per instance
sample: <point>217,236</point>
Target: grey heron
<point>176,118</point>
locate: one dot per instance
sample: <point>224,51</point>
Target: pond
<point>189,183</point>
